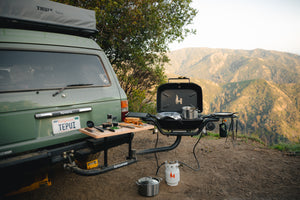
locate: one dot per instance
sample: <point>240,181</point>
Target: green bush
<point>140,101</point>
<point>287,147</point>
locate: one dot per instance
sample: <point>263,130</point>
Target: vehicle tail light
<point>124,109</point>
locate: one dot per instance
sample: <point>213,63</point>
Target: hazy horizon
<point>246,25</point>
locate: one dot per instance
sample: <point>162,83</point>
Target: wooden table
<point>122,130</point>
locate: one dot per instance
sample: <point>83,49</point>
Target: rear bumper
<point>21,170</point>
<point>54,155</point>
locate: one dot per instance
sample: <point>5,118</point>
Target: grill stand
<point>178,134</point>
<point>160,149</point>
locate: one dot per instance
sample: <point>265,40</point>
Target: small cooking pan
<point>189,112</point>
<point>148,186</point>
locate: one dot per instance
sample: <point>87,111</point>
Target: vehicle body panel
<point>20,130</point>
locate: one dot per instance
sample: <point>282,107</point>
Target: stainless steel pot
<point>189,112</point>
<point>148,186</point>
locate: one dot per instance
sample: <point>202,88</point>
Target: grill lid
<point>171,97</point>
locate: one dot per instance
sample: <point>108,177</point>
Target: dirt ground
<point>246,170</point>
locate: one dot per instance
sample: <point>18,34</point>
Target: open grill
<point>171,98</point>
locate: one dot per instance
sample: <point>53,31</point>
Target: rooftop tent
<point>47,16</point>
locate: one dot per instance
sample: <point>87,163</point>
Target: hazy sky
<point>245,24</point>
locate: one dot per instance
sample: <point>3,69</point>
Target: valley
<point>261,85</point>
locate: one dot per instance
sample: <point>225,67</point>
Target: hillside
<point>226,65</point>
<point>263,108</point>
<point>263,86</point>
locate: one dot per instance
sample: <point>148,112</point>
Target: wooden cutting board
<point>122,130</point>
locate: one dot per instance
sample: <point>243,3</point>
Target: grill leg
<point>161,149</point>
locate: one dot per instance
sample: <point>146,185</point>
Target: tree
<point>135,35</point>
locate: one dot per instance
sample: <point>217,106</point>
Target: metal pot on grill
<point>189,112</point>
<point>148,186</point>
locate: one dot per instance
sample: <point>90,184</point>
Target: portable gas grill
<point>171,99</point>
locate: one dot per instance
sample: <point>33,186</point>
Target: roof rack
<point>44,15</point>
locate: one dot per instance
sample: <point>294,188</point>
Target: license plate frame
<point>66,124</point>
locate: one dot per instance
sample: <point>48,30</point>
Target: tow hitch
<point>103,144</point>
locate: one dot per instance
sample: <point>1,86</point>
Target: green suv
<point>53,79</point>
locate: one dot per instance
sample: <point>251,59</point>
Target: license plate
<point>65,124</point>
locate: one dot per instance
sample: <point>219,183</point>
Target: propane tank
<point>172,173</point>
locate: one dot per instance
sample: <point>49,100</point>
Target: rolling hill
<point>263,86</point>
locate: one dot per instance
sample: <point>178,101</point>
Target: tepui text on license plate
<point>65,124</point>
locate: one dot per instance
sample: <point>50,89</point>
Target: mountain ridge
<point>226,65</point>
<point>261,85</point>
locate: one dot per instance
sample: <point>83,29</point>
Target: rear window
<point>30,70</point>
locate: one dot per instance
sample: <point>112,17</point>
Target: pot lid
<point>148,181</point>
